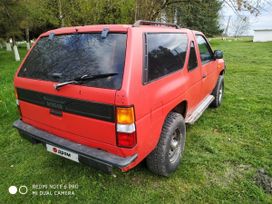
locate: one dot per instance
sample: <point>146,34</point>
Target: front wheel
<point>218,92</point>
<point>166,157</point>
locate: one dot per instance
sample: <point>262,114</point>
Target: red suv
<point>113,95</point>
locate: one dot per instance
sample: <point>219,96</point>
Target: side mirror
<point>218,54</point>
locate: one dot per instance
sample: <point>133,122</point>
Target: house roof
<point>265,29</point>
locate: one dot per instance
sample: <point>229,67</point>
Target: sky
<point>263,21</point>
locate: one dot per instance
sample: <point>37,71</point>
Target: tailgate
<point>84,107</point>
<point>82,118</point>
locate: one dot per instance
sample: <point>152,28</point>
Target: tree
<point>28,18</point>
<point>152,9</point>
<point>18,16</point>
<point>35,16</point>
<point>240,25</point>
<point>85,12</point>
<point>10,18</point>
<point>204,17</point>
<point>198,14</point>
<point>242,10</point>
<point>253,7</point>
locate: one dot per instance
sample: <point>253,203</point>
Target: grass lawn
<point>224,149</point>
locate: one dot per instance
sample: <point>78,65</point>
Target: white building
<point>262,35</point>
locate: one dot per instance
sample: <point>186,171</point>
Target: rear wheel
<point>166,157</point>
<point>218,92</point>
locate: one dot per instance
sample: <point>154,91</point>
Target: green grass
<point>223,149</point>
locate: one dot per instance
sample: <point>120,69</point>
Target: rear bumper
<point>100,159</point>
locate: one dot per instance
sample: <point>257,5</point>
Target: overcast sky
<point>263,21</point>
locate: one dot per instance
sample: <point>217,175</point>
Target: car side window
<point>204,49</point>
<point>165,53</point>
<point>192,57</point>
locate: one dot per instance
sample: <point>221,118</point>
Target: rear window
<point>166,53</point>
<point>62,58</point>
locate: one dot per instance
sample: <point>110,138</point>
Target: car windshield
<point>64,57</point>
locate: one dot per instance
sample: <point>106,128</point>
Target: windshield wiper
<point>83,78</point>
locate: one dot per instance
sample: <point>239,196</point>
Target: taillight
<point>126,139</point>
<point>125,127</point>
<point>125,115</point>
<point>18,103</point>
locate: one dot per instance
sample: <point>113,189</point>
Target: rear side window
<point>165,53</point>
<point>62,58</point>
<point>192,58</point>
<point>204,49</point>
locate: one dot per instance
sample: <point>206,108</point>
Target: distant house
<point>262,35</point>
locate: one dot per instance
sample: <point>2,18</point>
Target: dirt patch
<point>229,174</point>
<point>263,180</point>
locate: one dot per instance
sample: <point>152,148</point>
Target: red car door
<point>208,65</point>
<point>195,76</point>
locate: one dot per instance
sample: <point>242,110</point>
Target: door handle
<point>204,76</point>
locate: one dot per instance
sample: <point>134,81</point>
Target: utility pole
<point>227,27</point>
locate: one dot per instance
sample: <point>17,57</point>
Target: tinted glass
<point>166,53</point>
<point>205,50</point>
<point>192,57</point>
<point>65,57</point>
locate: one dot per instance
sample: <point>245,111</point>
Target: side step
<point>191,119</point>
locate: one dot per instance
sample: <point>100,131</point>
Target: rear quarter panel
<point>152,101</point>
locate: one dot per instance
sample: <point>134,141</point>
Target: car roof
<point>89,28</point>
<point>113,28</point>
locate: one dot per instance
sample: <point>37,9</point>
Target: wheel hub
<point>174,149</point>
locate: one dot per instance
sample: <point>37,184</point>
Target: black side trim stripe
<point>79,107</point>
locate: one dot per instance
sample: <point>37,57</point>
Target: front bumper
<point>99,159</point>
